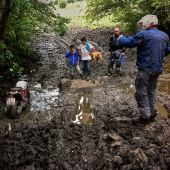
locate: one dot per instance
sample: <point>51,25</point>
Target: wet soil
<point>47,135</point>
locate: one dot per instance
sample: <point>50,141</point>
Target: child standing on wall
<point>74,59</point>
<point>84,50</point>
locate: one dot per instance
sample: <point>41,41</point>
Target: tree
<point>128,12</point>
<point>62,3</point>
<point>4,15</point>
<point>20,20</point>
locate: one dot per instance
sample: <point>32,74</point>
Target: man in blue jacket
<point>74,60</point>
<point>152,45</point>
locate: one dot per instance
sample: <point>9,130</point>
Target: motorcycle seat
<point>16,89</point>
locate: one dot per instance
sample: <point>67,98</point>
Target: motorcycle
<point>17,99</point>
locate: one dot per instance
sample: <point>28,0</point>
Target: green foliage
<point>26,18</point>
<point>56,2</point>
<point>62,3</point>
<point>60,25</point>
<point>127,13</point>
<point>70,1</point>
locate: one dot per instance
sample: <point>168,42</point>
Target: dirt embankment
<point>48,139</point>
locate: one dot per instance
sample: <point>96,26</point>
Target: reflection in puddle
<point>127,87</point>
<point>43,99</point>
<point>83,114</point>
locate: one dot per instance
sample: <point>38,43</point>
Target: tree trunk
<point>5,10</point>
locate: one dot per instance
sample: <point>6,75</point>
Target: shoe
<point>140,120</point>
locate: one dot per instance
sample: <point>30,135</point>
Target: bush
<point>62,3</point>
<point>16,40</point>
<point>56,2</point>
<point>60,25</point>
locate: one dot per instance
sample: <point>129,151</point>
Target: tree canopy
<point>128,12</point>
<point>20,20</point>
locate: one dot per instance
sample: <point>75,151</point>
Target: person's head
<point>83,40</point>
<point>72,48</point>
<point>148,21</point>
<point>117,31</point>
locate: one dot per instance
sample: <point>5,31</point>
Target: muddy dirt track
<point>47,135</point>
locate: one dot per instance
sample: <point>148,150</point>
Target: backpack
<point>89,47</point>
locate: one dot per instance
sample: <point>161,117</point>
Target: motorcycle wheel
<point>13,111</point>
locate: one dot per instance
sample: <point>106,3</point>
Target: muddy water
<point>163,113</point>
<point>165,87</point>
<point>164,90</point>
<point>83,113</point>
<point>130,88</point>
<point>43,99</point>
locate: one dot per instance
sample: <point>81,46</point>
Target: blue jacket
<point>73,58</point>
<point>152,46</point>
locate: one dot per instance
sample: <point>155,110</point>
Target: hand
<point>65,49</point>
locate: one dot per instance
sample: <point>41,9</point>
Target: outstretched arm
<point>132,41</point>
<point>168,48</point>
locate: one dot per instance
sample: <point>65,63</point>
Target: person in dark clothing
<point>152,45</point>
<point>116,52</point>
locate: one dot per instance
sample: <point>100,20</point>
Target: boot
<point>140,120</point>
<point>152,117</point>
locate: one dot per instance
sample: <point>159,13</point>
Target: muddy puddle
<point>43,99</point>
<point>164,91</point>
<point>165,87</point>
<point>129,88</point>
<point>83,114</point>
<point>163,113</point>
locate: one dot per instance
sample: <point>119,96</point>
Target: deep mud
<point>49,138</point>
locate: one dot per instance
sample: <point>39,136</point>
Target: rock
<point>123,150</point>
<point>153,154</point>
<point>115,137</point>
<point>139,141</point>
<point>117,160</point>
<point>126,167</point>
<point>117,144</point>
<point>53,132</point>
<point>139,157</point>
<point>167,160</point>
<point>153,168</point>
<point>123,119</point>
